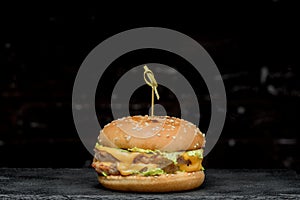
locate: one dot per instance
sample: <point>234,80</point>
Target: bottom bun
<point>163,183</point>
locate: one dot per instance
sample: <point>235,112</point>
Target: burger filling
<point>145,162</point>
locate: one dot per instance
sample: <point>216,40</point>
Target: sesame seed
<point>203,134</point>
<point>146,123</point>
<point>171,120</point>
<point>173,137</point>
<point>184,130</point>
<point>193,173</point>
<point>168,135</point>
<point>173,127</point>
<point>189,174</point>
<point>158,134</point>
<point>128,137</point>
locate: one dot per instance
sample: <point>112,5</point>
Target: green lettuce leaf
<point>198,153</point>
<point>153,172</point>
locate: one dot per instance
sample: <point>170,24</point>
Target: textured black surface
<point>82,184</point>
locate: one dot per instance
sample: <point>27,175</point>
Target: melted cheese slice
<point>122,156</point>
<point>126,165</point>
<point>127,168</point>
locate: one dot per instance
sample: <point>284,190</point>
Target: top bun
<point>155,133</point>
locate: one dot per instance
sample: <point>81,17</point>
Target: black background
<point>255,46</point>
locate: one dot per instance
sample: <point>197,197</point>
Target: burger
<point>150,154</point>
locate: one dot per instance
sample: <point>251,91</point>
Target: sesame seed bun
<point>164,133</point>
<point>164,183</point>
<point>155,133</point>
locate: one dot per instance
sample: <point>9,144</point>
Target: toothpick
<point>153,84</point>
